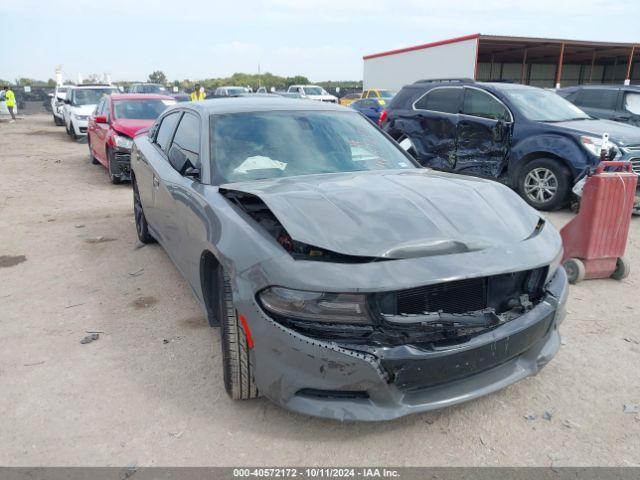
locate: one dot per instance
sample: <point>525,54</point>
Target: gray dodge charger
<point>347,281</point>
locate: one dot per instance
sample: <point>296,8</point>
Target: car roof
<point>259,103</point>
<point>602,87</point>
<point>93,86</point>
<point>140,96</point>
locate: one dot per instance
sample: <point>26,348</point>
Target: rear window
<point>404,98</point>
<point>597,98</point>
<point>445,100</point>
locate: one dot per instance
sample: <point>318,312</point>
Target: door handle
<point>156,181</point>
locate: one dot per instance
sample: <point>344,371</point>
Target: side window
<point>187,140</point>
<point>166,129</point>
<point>632,102</point>
<point>446,100</point>
<point>597,98</point>
<point>98,110</point>
<point>481,104</point>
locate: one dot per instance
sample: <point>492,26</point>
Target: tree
<point>158,77</point>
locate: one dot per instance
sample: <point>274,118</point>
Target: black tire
<point>236,361</point>
<point>142,228</point>
<point>544,183</point>
<point>72,131</point>
<point>623,268</point>
<point>575,270</point>
<point>116,179</point>
<point>66,129</point>
<point>57,121</point>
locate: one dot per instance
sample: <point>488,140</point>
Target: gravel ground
<point>149,391</point>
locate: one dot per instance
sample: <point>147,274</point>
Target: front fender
<point>551,145</point>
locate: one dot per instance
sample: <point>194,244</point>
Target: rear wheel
<point>142,228</point>
<point>236,361</point>
<point>544,184</point>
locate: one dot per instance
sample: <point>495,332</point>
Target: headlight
<point>553,266</point>
<point>123,142</point>
<point>316,306</point>
<point>594,145</point>
<point>80,117</point>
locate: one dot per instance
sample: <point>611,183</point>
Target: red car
<point>113,124</point>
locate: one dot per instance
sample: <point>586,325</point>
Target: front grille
<point>442,368</point>
<point>460,296</point>
<point>452,297</point>
<point>122,157</point>
<point>635,164</point>
<point>83,129</point>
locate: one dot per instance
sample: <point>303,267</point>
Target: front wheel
<point>575,270</point>
<point>544,184</point>
<point>72,131</point>
<point>236,361</point>
<point>623,268</point>
<point>57,121</point>
<point>142,228</point>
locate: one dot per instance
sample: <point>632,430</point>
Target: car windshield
<point>236,90</point>
<point>150,89</point>
<point>91,96</point>
<point>544,106</point>
<point>314,91</point>
<point>387,94</point>
<point>259,145</point>
<point>148,109</point>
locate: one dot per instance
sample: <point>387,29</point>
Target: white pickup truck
<point>313,92</point>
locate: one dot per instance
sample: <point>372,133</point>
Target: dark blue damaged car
<point>347,281</point>
<point>529,138</point>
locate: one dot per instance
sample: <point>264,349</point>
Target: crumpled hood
<point>395,214</point>
<point>618,132</point>
<point>130,127</point>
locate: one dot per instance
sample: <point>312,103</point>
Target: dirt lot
<point>149,390</point>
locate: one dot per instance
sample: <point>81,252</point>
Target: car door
<point>102,130</point>
<point>178,201</point>
<point>599,102</point>
<point>434,133</point>
<point>92,126</point>
<point>151,162</point>
<point>484,134</point>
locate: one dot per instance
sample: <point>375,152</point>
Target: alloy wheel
<point>540,185</point>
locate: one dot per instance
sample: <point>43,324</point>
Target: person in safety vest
<point>10,98</point>
<point>198,93</point>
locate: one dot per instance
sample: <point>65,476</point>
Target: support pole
<point>627,78</point>
<point>593,62</point>
<point>559,66</point>
<point>524,66</point>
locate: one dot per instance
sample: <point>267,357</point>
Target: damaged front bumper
<point>335,379</point>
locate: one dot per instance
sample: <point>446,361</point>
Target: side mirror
<point>192,172</point>
<point>100,119</point>
<point>67,101</point>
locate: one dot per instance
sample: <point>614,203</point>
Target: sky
<point>323,40</point>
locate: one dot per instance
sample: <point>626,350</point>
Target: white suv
<point>57,104</point>
<point>313,92</point>
<point>80,102</point>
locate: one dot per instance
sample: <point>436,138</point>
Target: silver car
<point>347,281</point>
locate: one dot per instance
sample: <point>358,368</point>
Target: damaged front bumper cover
<point>364,382</point>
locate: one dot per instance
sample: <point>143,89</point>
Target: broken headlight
<point>123,142</point>
<point>349,308</point>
